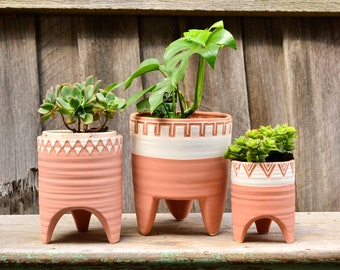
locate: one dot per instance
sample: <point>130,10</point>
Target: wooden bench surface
<point>317,240</point>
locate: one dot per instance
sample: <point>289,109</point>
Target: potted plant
<point>80,168</point>
<point>176,151</point>
<point>263,180</point>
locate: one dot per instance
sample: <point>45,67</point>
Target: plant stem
<point>101,127</point>
<point>198,88</point>
<point>180,101</point>
<point>66,125</point>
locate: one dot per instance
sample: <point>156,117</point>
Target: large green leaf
<point>146,66</point>
<point>143,105</point>
<point>222,37</point>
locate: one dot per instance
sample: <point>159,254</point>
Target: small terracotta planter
<point>80,173</point>
<point>260,193</point>
<point>180,160</point>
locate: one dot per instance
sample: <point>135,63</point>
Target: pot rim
<point>71,135</point>
<point>271,162</point>
<point>197,116</point>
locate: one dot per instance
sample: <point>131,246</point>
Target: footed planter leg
<point>263,225</point>
<point>82,219</point>
<point>212,212</point>
<point>179,209</point>
<point>146,209</point>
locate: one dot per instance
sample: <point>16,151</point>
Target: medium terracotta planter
<point>80,173</point>
<point>260,193</point>
<point>180,160</point>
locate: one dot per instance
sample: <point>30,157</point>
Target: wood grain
<point>19,99</point>
<point>182,7</point>
<point>109,48</point>
<point>312,78</point>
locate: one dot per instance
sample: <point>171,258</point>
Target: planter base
<point>179,188</point>
<point>263,205</point>
<point>211,211</point>
<point>108,219</point>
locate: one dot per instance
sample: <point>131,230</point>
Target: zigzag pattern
<point>58,146</point>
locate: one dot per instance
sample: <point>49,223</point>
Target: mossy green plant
<point>265,144</point>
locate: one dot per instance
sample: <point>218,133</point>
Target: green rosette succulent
<point>84,107</point>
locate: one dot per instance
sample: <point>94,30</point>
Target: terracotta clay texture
<point>260,193</point>
<point>81,174</point>
<point>180,160</point>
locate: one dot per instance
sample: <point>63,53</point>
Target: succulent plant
<point>84,107</point>
<point>265,144</point>
<point>165,99</point>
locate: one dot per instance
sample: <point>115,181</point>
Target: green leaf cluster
<point>165,99</point>
<point>84,107</point>
<point>264,144</point>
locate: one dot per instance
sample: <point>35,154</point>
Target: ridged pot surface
<point>80,171</point>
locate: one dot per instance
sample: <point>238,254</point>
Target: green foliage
<point>264,144</point>
<point>81,104</point>
<point>165,98</point>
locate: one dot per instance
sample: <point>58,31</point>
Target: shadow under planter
<point>80,173</point>
<point>180,160</point>
<point>262,193</point>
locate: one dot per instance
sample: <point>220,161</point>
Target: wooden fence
<point>286,70</point>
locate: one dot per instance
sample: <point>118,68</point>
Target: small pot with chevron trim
<point>180,160</point>
<point>262,192</point>
<point>80,173</point>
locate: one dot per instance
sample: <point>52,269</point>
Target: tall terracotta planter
<point>180,160</point>
<point>80,173</point>
<point>260,193</point>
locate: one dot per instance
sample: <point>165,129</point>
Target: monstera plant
<point>165,98</point>
<point>80,168</point>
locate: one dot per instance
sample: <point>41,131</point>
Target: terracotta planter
<point>80,173</point>
<point>260,193</point>
<point>180,160</point>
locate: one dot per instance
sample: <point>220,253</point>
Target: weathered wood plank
<point>264,66</point>
<point>58,56</point>
<point>19,99</point>
<point>171,243</point>
<point>312,70</point>
<point>182,7</point>
<point>109,48</point>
